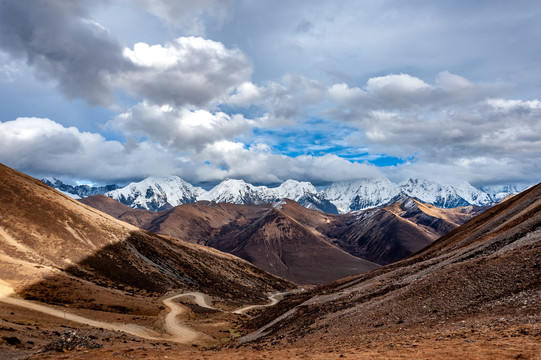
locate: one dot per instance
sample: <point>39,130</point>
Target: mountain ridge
<point>161,193</point>
<point>285,238</point>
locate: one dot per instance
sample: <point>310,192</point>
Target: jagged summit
<point>156,193</point>
<point>500,192</point>
<point>361,194</point>
<point>445,196</point>
<point>78,191</point>
<point>233,191</point>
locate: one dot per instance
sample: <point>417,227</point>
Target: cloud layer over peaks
<point>46,148</point>
<point>271,90</point>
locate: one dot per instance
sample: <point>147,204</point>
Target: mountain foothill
<point>239,271</point>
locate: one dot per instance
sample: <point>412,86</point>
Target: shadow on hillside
<point>149,265</point>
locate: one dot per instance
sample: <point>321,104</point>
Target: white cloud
<point>190,16</point>
<point>514,105</point>
<point>286,102</point>
<point>395,85</point>
<point>186,71</point>
<point>477,170</point>
<point>43,147</point>
<point>181,129</point>
<point>453,126</point>
<point>343,94</point>
<point>404,92</point>
<point>61,43</point>
<point>452,82</point>
<point>258,164</point>
<point>247,94</point>
<point>474,131</point>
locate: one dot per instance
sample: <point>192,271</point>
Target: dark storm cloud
<point>57,39</point>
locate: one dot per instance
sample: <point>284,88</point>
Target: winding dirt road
<point>132,329</point>
<point>177,330</point>
<point>274,299</point>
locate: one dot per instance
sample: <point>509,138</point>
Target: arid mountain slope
<point>280,245</point>
<point>193,222</point>
<point>481,281</point>
<point>106,205</point>
<point>47,236</point>
<point>289,240</point>
<point>388,234</point>
<point>265,236</point>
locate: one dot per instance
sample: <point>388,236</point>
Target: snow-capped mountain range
<point>160,193</point>
<point>78,191</point>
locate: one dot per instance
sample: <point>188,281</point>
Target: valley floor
<point>475,338</point>
<point>511,343</point>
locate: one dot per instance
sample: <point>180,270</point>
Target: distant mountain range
<point>78,191</point>
<point>162,193</point>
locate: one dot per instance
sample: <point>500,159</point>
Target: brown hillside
<point>67,266</point>
<point>267,237</point>
<point>388,234</point>
<point>280,245</point>
<point>381,235</point>
<point>44,233</point>
<point>106,205</point>
<point>481,282</point>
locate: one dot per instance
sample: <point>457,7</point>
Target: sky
<point>111,91</point>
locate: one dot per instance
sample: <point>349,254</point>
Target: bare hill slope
<point>302,245</point>
<point>45,234</point>
<point>481,281</point>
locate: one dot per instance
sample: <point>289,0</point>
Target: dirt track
<point>274,299</point>
<point>177,331</point>
<point>173,326</point>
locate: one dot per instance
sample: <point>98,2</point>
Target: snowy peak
<point>156,193</point>
<point>78,191</point>
<point>498,193</point>
<point>235,192</point>
<point>361,194</point>
<point>304,193</point>
<point>293,189</point>
<point>240,192</point>
<point>444,196</point>
<point>160,193</point>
